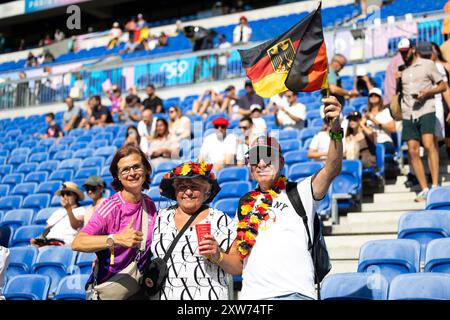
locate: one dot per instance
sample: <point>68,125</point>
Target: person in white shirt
<point>277,101</point>
<point>219,148</point>
<point>222,60</point>
<point>115,35</point>
<point>146,129</point>
<point>320,143</point>
<point>242,32</point>
<point>272,241</point>
<point>64,224</point>
<point>259,127</point>
<point>292,116</point>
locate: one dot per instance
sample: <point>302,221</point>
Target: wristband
<point>218,261</point>
<point>337,135</point>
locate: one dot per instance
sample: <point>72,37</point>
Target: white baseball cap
<point>376,91</point>
<point>404,44</point>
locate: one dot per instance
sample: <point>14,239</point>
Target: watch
<point>110,241</point>
<point>337,135</point>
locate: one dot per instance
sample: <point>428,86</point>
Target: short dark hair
<point>97,97</point>
<point>123,152</point>
<point>247,118</point>
<point>151,85</point>
<point>51,115</point>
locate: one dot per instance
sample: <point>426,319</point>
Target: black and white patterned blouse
<point>191,276</point>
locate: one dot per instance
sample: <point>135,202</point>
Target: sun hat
<point>70,186</point>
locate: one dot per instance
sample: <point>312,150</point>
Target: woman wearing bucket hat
<point>120,230</point>
<point>198,269</point>
<point>64,223</point>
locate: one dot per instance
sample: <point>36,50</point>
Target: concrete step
<point>392,197</point>
<point>364,229</point>
<point>343,266</point>
<point>393,206</point>
<point>387,217</point>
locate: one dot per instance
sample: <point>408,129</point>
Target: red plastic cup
<point>202,229</point>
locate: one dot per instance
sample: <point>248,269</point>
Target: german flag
<point>296,60</point>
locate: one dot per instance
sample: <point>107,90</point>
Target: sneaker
<point>422,196</point>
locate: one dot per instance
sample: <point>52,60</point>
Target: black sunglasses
<point>90,188</point>
<point>220,126</point>
<point>66,193</point>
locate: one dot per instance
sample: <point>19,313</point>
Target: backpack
<point>317,247</point>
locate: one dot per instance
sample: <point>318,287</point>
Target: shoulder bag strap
<point>174,242</point>
<point>294,197</point>
<point>144,225</point>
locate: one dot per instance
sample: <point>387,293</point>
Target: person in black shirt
<point>249,99</point>
<point>98,115</point>
<point>53,130</point>
<point>153,102</point>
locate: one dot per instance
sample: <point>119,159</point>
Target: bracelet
<point>337,135</point>
<point>218,261</point>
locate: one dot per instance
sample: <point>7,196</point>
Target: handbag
<point>396,107</point>
<point>317,247</point>
<point>126,283</point>
<point>42,239</point>
<point>157,272</point>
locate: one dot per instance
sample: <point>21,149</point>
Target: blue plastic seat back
<point>85,173</point>
<point>233,174</point>
<point>156,180</point>
<point>299,171</point>
<point>4,190</point>
<point>24,234</point>
<point>420,286</point>
<point>36,201</point>
<point>438,199</point>
<point>233,190</point>
<point>21,260</point>
<point>13,178</point>
<point>105,151</point>
<point>166,166</point>
<point>438,256</point>
<point>77,146</point>
<point>288,135</point>
<point>90,162</point>
<point>42,216</point>
<point>292,157</point>
<point>16,218</point>
<point>61,175</point>
<point>26,168</point>
<point>28,287</point>
<point>24,189</point>
<point>289,145</point>
<point>72,288</point>
<point>390,257</point>
<point>354,286</point>
<point>49,187</point>
<point>84,262</point>
<point>228,206</point>
<point>49,166</point>
<point>345,183</point>
<point>38,177</point>
<point>72,164</point>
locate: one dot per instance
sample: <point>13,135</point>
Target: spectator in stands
<point>179,125</point>
<point>266,263</point>
<point>31,60</point>
<point>22,90</point>
<point>363,82</point>
<point>420,82</point>
<point>59,35</point>
<point>72,116</point>
<point>390,79</point>
<point>379,119</point>
<point>242,32</point>
<point>162,39</point>
<point>164,146</point>
<point>47,57</point>
<point>277,102</point>
<point>117,101</point>
<point>115,35</point>
<point>141,23</point>
<point>95,188</point>
<point>64,224</point>
<point>210,102</point>
<point>132,110</point>
<point>230,104</point>
<point>245,125</point>
<point>114,230</point>
<point>338,62</point>
<point>47,40</point>
<point>98,115</point>
<point>53,129</point>
<point>320,143</point>
<point>146,128</point>
<point>222,58</point>
<point>360,141</point>
<point>132,137</point>
<point>153,102</point>
<point>259,124</point>
<point>219,148</point>
<point>248,99</point>
<point>130,27</point>
<point>4,262</point>
<point>77,91</point>
<point>294,115</point>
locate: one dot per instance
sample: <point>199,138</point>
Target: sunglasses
<point>67,193</point>
<point>90,188</point>
<point>268,155</point>
<point>244,128</point>
<point>220,127</point>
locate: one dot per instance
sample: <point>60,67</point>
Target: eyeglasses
<point>268,155</point>
<point>184,187</point>
<point>66,193</point>
<point>220,127</point>
<point>138,168</point>
<point>244,128</point>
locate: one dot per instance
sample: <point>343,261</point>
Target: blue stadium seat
<point>28,144</point>
<point>84,138</point>
<point>84,262</point>
<point>38,149</point>
<point>72,288</point>
<point>424,226</point>
<point>233,190</point>
<point>24,189</point>
<point>23,235</point>
<point>54,262</point>
<point>63,155</point>
<point>289,145</point>
<point>354,286</point>
<point>438,199</point>
<point>390,257</point>
<point>105,151</point>
<point>4,190</point>
<point>227,206</point>
<point>20,260</point>
<point>293,157</point>
<point>85,173</point>
<point>28,287</point>
<point>61,175</point>
<point>438,256</point>
<point>42,216</point>
<point>5,169</point>
<point>109,160</point>
<point>349,181</point>
<point>20,151</point>
<point>420,286</point>
<point>10,202</point>
<point>38,176</point>
<point>66,140</point>
<point>108,136</point>
<point>96,144</point>
<point>47,142</point>
<point>76,132</point>
<point>55,202</point>
<point>76,146</point>
<point>233,174</point>
<point>84,153</point>
<point>17,160</point>
<point>118,142</point>
<point>17,218</point>
<point>38,157</point>
<point>26,168</point>
<point>299,171</point>
<point>13,178</point>
<point>72,164</point>
<point>93,162</point>
<point>166,166</point>
<point>288,135</point>
<point>156,179</point>
<point>54,149</point>
<point>49,166</point>
<point>49,187</point>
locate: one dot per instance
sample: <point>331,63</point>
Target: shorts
<point>414,129</point>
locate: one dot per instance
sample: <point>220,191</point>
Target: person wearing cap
<point>338,63</point>
<point>197,269</point>
<point>259,124</point>
<point>379,119</point>
<point>153,102</point>
<point>115,35</point>
<point>64,224</point>
<point>390,80</point>
<point>293,115</point>
<point>95,187</point>
<point>420,82</point>
<point>242,33</point>
<point>115,232</point>
<point>271,237</point>
<point>248,99</point>
<point>219,148</point>
<point>360,141</point>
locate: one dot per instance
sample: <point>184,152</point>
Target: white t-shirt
<point>321,142</point>
<point>214,149</point>
<point>62,230</point>
<point>246,34</point>
<point>279,262</point>
<point>382,117</point>
<point>223,59</point>
<point>242,149</point>
<point>279,100</point>
<point>4,261</point>
<point>145,131</point>
<point>298,110</point>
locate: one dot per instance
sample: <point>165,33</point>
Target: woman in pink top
<point>117,101</point>
<point>114,230</point>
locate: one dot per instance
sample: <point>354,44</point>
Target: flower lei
<point>201,168</point>
<point>250,217</point>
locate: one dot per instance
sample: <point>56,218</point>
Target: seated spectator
<point>242,32</point>
<point>230,104</point>
<point>318,148</point>
<point>117,101</point>
<point>132,110</point>
<point>248,99</point>
<point>363,83</point>
<point>95,188</point>
<point>210,102</point>
<point>360,141</point>
<point>379,119</point>
<point>130,27</point>
<point>162,39</point>
<point>146,129</point>
<point>31,60</point>
<point>59,35</point>
<point>153,102</point>
<point>53,129</point>
<point>72,117</point>
<point>293,115</point>
<point>164,146</point>
<point>77,91</point>
<point>132,137</point>
<point>244,140</point>
<point>179,125</point>
<point>222,58</point>
<point>115,35</point>
<point>259,127</point>
<point>219,148</point>
<point>97,115</point>
<point>47,40</point>
<point>4,261</point>
<point>64,224</point>
<point>276,102</point>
